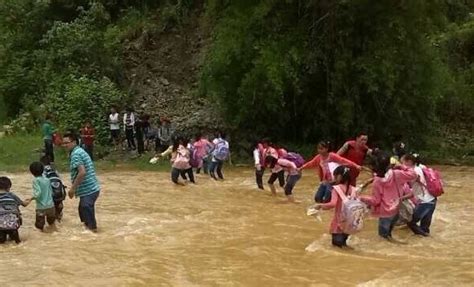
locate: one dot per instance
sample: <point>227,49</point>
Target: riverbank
<point>18,151</point>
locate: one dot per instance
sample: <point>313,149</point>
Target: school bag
<point>295,158</point>
<point>59,190</point>
<point>221,152</point>
<point>9,213</point>
<point>434,184</point>
<point>352,212</point>
<point>193,158</point>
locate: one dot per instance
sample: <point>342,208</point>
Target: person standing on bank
<point>47,130</point>
<point>129,123</point>
<point>114,123</point>
<point>165,135</point>
<point>88,136</point>
<point>84,181</point>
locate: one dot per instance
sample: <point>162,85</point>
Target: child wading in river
<point>293,174</point>
<point>43,195</point>
<point>386,196</point>
<point>341,191</point>
<point>10,216</point>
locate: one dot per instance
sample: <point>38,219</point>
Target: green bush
<point>84,98</point>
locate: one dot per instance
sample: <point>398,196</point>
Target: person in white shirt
<point>258,156</point>
<point>114,124</point>
<point>129,123</point>
<point>423,212</point>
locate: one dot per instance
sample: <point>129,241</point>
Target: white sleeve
<point>132,119</point>
<point>256,156</point>
<point>124,119</point>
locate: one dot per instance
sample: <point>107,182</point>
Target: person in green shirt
<point>47,130</point>
<point>43,195</point>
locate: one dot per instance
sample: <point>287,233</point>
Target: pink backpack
<point>353,211</point>
<point>434,184</point>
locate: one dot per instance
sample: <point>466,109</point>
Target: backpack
<point>193,158</point>
<point>352,213</point>
<point>9,221</point>
<point>434,184</point>
<point>59,190</point>
<point>295,158</point>
<point>221,152</point>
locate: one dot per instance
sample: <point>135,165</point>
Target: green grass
<point>19,151</point>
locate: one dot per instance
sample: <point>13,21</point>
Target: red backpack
<point>434,184</point>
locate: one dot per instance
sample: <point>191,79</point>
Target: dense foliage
<point>303,70</point>
<point>293,70</point>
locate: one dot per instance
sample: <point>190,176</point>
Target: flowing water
<point>152,233</point>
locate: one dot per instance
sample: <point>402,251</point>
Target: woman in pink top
<point>387,192</point>
<point>324,161</point>
<point>202,146</point>
<point>342,177</point>
<point>282,165</point>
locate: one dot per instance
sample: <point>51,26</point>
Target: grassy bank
<point>17,152</point>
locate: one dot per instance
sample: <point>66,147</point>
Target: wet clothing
<point>355,153</point>
<point>89,184</point>
<point>87,210</point>
<point>339,239</point>
<point>336,203</point>
<point>386,192</point>
<point>43,216</point>
<point>280,175</point>
<point>322,164</point>
<point>42,193</point>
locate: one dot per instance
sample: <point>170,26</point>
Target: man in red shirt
<point>88,135</point>
<point>355,151</point>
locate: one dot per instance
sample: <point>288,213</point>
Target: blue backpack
<point>221,152</point>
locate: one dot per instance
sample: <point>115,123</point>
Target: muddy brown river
<point>152,233</point>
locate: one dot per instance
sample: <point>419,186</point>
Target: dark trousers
<point>188,173</point>
<point>339,239</point>
<point>423,213</point>
<point>90,150</point>
<point>216,167</point>
<point>130,138</point>
<point>49,149</point>
<point>43,216</point>
<point>58,207</point>
<point>87,210</point>
<point>386,225</point>
<point>140,144</point>
<point>259,177</point>
<point>291,182</point>
<point>14,235</point>
<point>323,193</point>
<point>206,164</point>
<point>185,173</point>
<point>280,176</point>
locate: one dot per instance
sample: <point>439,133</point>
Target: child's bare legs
<point>272,189</point>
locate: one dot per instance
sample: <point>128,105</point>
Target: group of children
<point>200,153</point>
<point>399,181</point>
<point>139,131</point>
<point>48,192</point>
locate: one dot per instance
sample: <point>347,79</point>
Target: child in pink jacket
<point>342,177</point>
<point>282,165</point>
<point>387,192</point>
<point>322,162</point>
